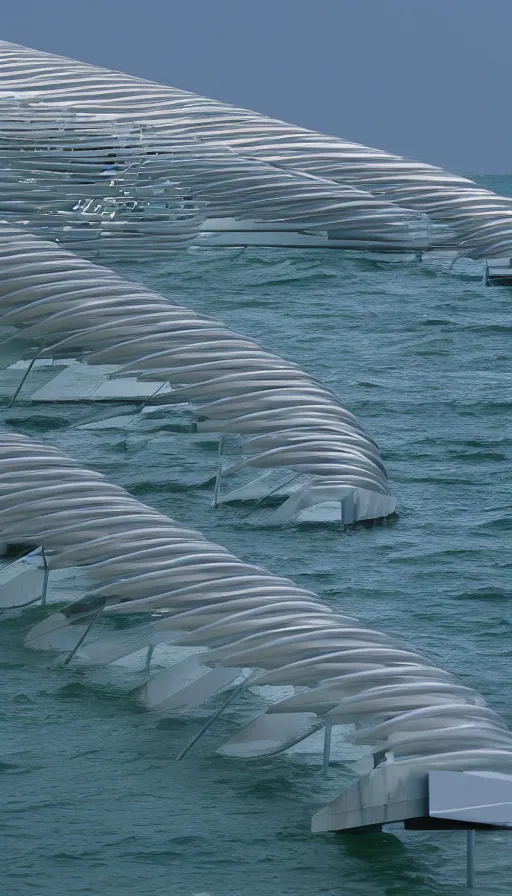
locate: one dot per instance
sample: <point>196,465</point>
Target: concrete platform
<point>498,272</point>
<point>79,382</point>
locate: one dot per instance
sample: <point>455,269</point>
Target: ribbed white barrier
<point>55,304</point>
<point>259,629</point>
<point>57,174</point>
<point>479,222</point>
<point>102,186</point>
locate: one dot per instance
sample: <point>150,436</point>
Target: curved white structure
<point>476,221</point>
<point>54,304</point>
<point>102,187</point>
<point>259,629</point>
<point>58,176</point>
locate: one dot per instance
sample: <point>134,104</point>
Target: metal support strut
<point>24,377</point>
<point>83,637</point>
<point>470,859</point>
<point>148,658</point>
<point>272,492</point>
<point>327,746</point>
<point>45,578</point>
<point>234,693</point>
<point>218,478</point>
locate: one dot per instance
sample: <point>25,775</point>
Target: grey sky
<point>425,78</point>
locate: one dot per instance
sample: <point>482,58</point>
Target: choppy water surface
<point>93,802</point>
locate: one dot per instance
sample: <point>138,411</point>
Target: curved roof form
<point>56,304</point>
<point>93,185</point>
<point>259,629</point>
<point>479,222</point>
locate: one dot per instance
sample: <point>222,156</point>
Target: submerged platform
<point>498,272</point>
<point>75,381</point>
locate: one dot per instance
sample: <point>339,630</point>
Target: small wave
<point>303,280</point>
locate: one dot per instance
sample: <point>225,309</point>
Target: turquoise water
<point>93,801</point>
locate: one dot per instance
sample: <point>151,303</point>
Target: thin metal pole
<point>45,578</point>
<point>219,473</point>
<point>272,491</point>
<point>82,639</point>
<point>348,510</point>
<point>327,746</point>
<point>238,254</point>
<point>455,259</point>
<point>212,719</point>
<point>148,658</point>
<point>470,859</point>
<point>24,377</point>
